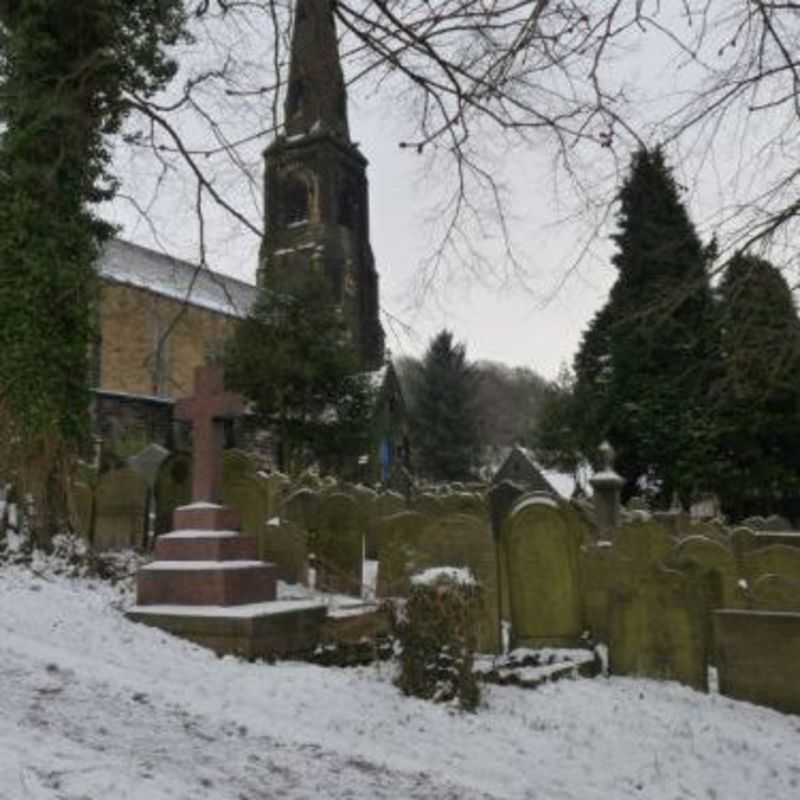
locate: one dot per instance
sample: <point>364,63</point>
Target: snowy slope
<point>93,707</point>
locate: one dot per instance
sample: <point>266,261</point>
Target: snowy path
<point>93,707</point>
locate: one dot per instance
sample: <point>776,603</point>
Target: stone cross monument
<point>207,411</point>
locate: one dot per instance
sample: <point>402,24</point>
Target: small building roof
<point>133,265</point>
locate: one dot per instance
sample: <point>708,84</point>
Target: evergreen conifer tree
<point>446,435</point>
<point>757,407</point>
<point>651,351</point>
<point>293,358</point>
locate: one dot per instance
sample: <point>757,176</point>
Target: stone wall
<point>133,321</point>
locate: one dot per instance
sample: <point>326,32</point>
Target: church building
<point>161,317</point>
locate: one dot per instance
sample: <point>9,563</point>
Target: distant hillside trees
<point>504,404</point>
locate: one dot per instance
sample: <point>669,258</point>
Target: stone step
<point>200,545</point>
<point>205,516</point>
<point>206,583</point>
<point>260,630</point>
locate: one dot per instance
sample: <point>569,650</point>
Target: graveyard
<point>246,552</point>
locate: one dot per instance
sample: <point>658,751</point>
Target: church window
<point>296,199</point>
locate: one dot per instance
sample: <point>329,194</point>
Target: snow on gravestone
<point>541,548</point>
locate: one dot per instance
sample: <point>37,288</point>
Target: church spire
<point>316,99</point>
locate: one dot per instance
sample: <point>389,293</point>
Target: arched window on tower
<point>296,199</point>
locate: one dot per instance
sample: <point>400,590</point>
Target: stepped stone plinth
<point>206,583</point>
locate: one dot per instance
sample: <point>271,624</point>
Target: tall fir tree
<point>446,433</point>
<point>292,356</point>
<point>757,402</point>
<point>650,352</point>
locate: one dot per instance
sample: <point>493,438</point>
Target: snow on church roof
<point>133,265</point>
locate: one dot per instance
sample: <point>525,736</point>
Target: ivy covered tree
<point>446,435</point>
<point>648,357</point>
<point>292,357</point>
<point>67,73</point>
<point>757,408</point>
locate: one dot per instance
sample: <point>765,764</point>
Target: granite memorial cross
<point>207,410</point>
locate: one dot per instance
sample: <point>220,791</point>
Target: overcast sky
<point>533,318</point>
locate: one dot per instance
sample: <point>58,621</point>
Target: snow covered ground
<point>94,707</point>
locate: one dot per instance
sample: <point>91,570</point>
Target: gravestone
<point>776,593</point>
<point>743,540</point>
<point>544,590</point>
<point>337,543</point>
<point>428,504</point>
<point>463,540</point>
<point>398,539</point>
<point>465,503</point>
<point>715,561</point>
<point>121,499</point>
<point>657,629</point>
<point>383,505</point>
<point>248,493</point>
<point>173,489</point>
<point>644,544</point>
<point>757,654</point>
<point>147,463</point>
<point>778,559</point>
<point>602,570</point>
<point>302,507</point>
<point>285,545</point>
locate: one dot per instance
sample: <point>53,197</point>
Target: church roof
<point>130,264</point>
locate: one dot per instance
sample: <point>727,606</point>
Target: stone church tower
<point>316,193</point>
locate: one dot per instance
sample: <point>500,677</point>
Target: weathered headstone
<point>382,505</point>
<point>337,543</point>
<point>542,555</point>
<point>776,593</point>
<point>428,504</point>
<point>658,628</point>
<point>715,561</point>
<point>778,559</point>
<point>285,545</point>
<point>302,507</point>
<point>463,540</point>
<point>645,544</point>
<point>602,570</point>
<point>398,551</point>
<point>121,497</point>
<point>465,503</point>
<point>173,489</point>
<point>146,463</point>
